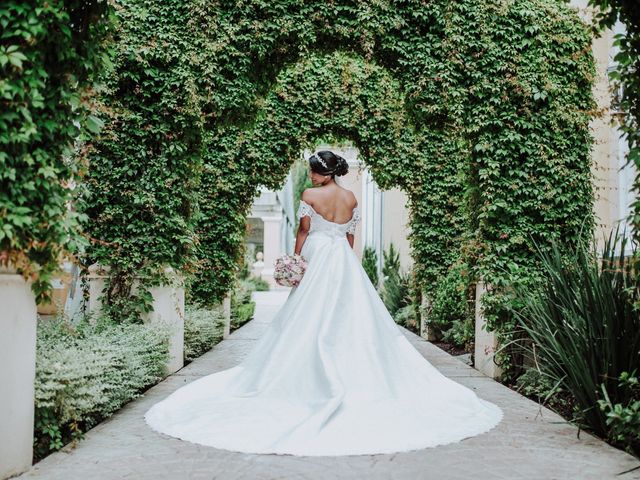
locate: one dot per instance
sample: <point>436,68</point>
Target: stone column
<point>168,310</point>
<point>486,342</point>
<point>272,247</point>
<point>426,331</point>
<point>226,309</point>
<point>97,280</point>
<point>18,320</point>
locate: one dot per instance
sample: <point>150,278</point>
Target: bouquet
<point>289,270</point>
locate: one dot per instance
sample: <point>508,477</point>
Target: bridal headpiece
<point>324,164</point>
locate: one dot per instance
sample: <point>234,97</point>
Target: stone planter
<point>97,280</point>
<point>426,331</point>
<point>18,320</point>
<point>60,286</point>
<point>168,310</point>
<point>226,309</point>
<point>486,343</point>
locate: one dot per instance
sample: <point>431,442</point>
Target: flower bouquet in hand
<point>289,270</point>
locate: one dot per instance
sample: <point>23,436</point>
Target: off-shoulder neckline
<point>353,214</point>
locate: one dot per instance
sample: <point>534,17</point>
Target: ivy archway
<point>492,102</point>
<point>337,95</point>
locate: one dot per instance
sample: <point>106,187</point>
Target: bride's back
<point>333,202</point>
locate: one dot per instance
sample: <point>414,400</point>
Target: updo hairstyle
<point>326,162</point>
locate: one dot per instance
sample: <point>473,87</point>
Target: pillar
<point>486,342</point>
<point>272,247</point>
<point>97,280</point>
<point>226,310</point>
<point>168,311</point>
<point>426,331</point>
<point>18,321</point>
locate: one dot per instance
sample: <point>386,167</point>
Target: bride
<point>333,374</point>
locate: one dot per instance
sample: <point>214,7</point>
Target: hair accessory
<point>324,164</point>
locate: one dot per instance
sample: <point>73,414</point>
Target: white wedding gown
<point>332,375</point>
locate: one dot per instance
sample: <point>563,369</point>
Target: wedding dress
<point>332,375</point>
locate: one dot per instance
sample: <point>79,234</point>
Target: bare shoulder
<point>353,201</point>
<point>309,195</point>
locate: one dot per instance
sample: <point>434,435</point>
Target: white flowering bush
<point>203,328</point>
<point>84,373</point>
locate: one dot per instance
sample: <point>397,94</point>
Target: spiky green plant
<point>584,322</point>
<point>396,289</point>
<point>370,264</point>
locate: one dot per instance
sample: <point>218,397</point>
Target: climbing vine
<point>532,152</point>
<point>625,78</point>
<point>478,110</point>
<point>49,55</point>
<point>141,190</point>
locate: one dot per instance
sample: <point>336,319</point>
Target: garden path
<point>530,443</point>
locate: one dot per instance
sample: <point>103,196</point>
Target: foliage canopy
<point>479,111</point>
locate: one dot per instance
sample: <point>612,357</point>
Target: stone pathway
<point>530,443</point>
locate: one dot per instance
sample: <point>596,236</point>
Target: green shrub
<point>623,419</point>
<point>450,315</point>
<point>533,383</point>
<point>585,325</point>
<point>141,192</point>
<point>242,306</point>
<point>241,293</point>
<point>370,264</point>
<point>396,289</point>
<point>203,328</point>
<point>461,334</point>
<point>407,316</point>
<point>258,284</point>
<point>242,313</point>
<point>541,388</point>
<point>87,372</point>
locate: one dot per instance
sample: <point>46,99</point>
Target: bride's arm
<point>303,233</point>
<point>350,238</point>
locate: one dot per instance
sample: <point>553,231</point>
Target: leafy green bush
<point>396,288</point>
<point>623,419</point>
<point>407,316</point>
<point>532,383</point>
<point>585,325</point>
<point>241,293</point>
<point>461,334</point>
<point>451,316</point>
<point>242,313</point>
<point>541,388</point>
<point>203,328</point>
<point>370,264</point>
<point>85,373</point>
<point>258,284</point>
<point>242,306</point>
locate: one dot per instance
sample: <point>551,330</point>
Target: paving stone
<point>531,442</point>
